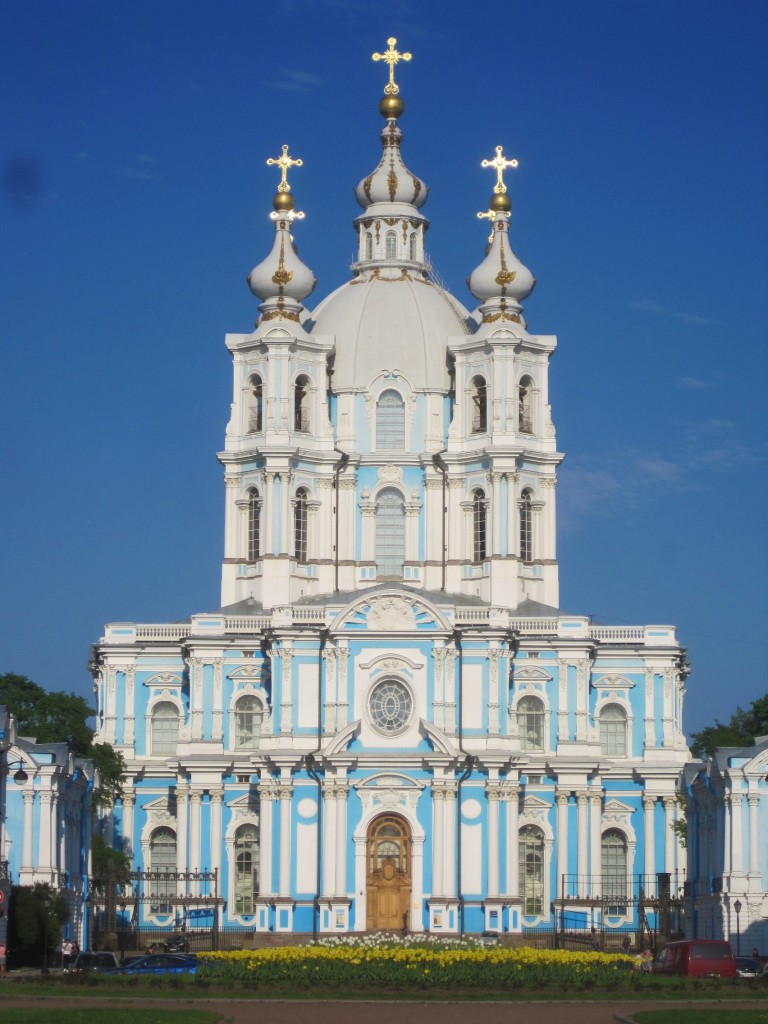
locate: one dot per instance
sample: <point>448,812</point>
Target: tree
<point>37,912</point>
<point>112,771</point>
<point>742,730</point>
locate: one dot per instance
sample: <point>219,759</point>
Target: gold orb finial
<point>500,202</point>
<point>391,107</point>
<point>392,57</point>
<point>283,202</point>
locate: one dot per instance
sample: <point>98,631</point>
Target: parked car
<point>176,944</point>
<point>697,958</point>
<point>160,963</point>
<point>88,960</point>
<point>489,938</point>
<point>748,967</point>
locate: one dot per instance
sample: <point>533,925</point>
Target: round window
<point>390,705</point>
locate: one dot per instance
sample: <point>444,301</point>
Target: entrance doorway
<point>389,874</point>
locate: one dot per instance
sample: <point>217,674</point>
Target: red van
<point>697,958</point>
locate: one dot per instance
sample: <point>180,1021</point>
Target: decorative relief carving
<point>390,474</point>
<point>391,613</point>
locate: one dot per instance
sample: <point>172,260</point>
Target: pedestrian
<point>755,954</point>
<point>626,944</point>
<point>66,954</point>
<point>646,961</point>
<point>2,959</point>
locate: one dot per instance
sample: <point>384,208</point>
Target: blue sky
<point>135,199</point>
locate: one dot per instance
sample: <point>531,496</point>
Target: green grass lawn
<point>82,1015</point>
<point>724,1016</point>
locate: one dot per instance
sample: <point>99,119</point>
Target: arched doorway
<point>388,873</point>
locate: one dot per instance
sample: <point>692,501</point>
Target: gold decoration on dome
<point>392,57</point>
<point>282,276</point>
<point>500,163</point>
<point>504,276</point>
<point>284,162</point>
<point>491,216</point>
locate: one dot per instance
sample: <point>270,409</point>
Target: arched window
<point>412,243</point>
<point>254,525</point>
<point>162,867</point>
<point>479,526</point>
<point>390,421</point>
<point>246,869</point>
<point>300,525</point>
<point>368,245</point>
<point>613,731</point>
<point>525,406</point>
<point>165,729</point>
<point>390,534</point>
<point>248,715</point>
<point>530,723</point>
<point>531,867</point>
<point>479,406</point>
<point>526,526</point>
<point>255,405</point>
<point>301,405</point>
<point>614,868</point>
<point>390,245</point>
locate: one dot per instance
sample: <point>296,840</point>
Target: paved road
<point>343,1012</point>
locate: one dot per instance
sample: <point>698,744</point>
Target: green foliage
<point>112,769</point>
<point>740,731</point>
<point>680,827</point>
<point>32,907</point>
<point>108,863</point>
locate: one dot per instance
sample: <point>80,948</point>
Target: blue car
<point>160,963</point>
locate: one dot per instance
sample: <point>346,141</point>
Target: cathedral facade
<point>389,722</point>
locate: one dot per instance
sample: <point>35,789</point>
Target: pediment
<point>534,804</point>
<point>339,743</point>
<point>390,611</point>
<point>246,802</point>
<point>165,680</point>
<point>248,673</point>
<point>612,682</point>
<point>526,674</point>
<point>438,739</point>
<point>391,780</point>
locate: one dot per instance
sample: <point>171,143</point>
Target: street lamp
<point>737,910</point>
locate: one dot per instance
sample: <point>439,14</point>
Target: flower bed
<point>428,962</point>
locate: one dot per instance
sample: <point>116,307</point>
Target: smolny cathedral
<point>389,722</point>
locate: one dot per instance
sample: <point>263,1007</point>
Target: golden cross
<point>392,57</point>
<point>284,162</point>
<point>499,163</point>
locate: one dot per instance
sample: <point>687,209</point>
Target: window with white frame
<point>531,869</point>
<point>248,715</point>
<point>390,245</point>
<point>390,421</point>
<point>301,417</point>
<point>412,246</point>
<point>246,869</point>
<point>301,525</point>
<point>525,406</point>
<point>390,534</point>
<point>613,731</point>
<point>255,405</point>
<point>162,867</point>
<point>526,526</point>
<point>479,526</point>
<point>479,397</point>
<point>530,723</point>
<point>614,869</point>
<point>368,245</point>
<point>165,728</point>
<point>254,524</point>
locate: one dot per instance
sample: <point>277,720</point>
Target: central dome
<point>389,319</point>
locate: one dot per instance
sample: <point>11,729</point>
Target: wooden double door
<point>389,874</point>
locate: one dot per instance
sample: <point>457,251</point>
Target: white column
<point>737,855</point>
<point>650,720</point>
<point>342,707</point>
<point>670,837</point>
<point>268,514</point>
<point>44,843</point>
<point>582,827</point>
<point>267,794</point>
<point>341,838</point>
<point>182,824</point>
<point>109,709</point>
<point>285,545</point>
<point>496,513</point>
<point>129,801</point>
<point>649,867</point>
<point>562,701</point>
<point>451,841</point>
<point>216,836</point>
<point>513,829</point>
<point>754,836</point>
<point>494,658</point>
<point>438,832</point>
<point>284,881</point>
<point>595,841</point>
<point>329,837</point>
<point>217,728</point>
<point>196,699</point>
<point>415,923</point>
<point>331,689</point>
<point>129,735</point>
<point>727,837</point>
<point>286,687</point>
<point>562,841</point>
<point>196,799</point>
<point>27,858</point>
<point>493,795</point>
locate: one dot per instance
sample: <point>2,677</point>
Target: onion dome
<point>282,280</point>
<point>501,282</point>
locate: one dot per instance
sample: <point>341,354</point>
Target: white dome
<point>390,320</point>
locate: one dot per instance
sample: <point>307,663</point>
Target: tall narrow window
<point>479,531</point>
<point>165,729</point>
<point>525,406</point>
<point>162,867</point>
<point>390,421</point>
<point>531,867</point>
<point>390,534</point>
<point>390,245</point>
<point>368,245</point>
<point>614,867</point>
<point>246,869</point>
<point>248,715</point>
<point>301,405</point>
<point>613,731</point>
<point>255,405</point>
<point>530,723</point>
<point>254,525</point>
<point>526,526</point>
<point>412,246</point>
<point>479,406</point>
<point>300,525</point>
